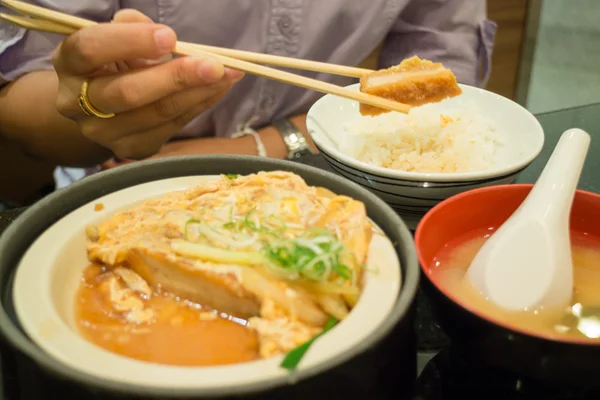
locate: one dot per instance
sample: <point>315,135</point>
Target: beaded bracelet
<point>246,130</point>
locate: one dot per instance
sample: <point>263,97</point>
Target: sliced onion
<point>212,234</point>
<point>222,214</point>
<point>209,253</point>
<point>294,226</point>
<point>322,239</point>
<point>326,287</point>
<point>257,221</point>
<point>334,305</point>
<point>338,231</point>
<point>301,306</point>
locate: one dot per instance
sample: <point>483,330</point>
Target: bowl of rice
<point>414,161</point>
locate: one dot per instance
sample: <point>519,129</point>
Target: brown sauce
<point>181,333</point>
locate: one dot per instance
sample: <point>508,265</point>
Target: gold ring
<point>86,105</point>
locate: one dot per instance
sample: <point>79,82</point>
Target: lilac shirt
<point>454,32</point>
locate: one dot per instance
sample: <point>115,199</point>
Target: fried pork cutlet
<point>414,82</point>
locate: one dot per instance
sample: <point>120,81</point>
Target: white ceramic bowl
<point>50,272</point>
<point>412,194</point>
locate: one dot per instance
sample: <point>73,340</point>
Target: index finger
<point>87,50</point>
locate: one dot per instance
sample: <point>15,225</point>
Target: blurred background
<point>547,54</point>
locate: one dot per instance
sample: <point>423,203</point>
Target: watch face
<point>293,138</point>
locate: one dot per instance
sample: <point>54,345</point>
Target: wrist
<point>273,142</point>
<point>245,145</point>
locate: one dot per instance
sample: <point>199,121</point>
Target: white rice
<point>425,140</point>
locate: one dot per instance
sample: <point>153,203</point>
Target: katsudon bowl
<point>494,140</point>
<point>371,352</point>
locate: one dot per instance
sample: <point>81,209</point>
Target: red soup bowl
<point>493,341</point>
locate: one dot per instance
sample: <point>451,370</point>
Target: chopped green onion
<point>250,224</point>
<point>293,358</point>
<point>343,271</point>
<point>313,257</point>
<point>231,176</point>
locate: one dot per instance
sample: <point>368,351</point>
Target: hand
<point>152,100</point>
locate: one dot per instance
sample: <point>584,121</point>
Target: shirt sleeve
<point>453,32</point>
<point>24,51</point>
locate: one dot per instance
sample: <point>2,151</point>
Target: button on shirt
<point>454,32</point>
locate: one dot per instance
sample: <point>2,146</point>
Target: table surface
<point>443,371</point>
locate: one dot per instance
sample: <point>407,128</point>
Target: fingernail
<point>165,39</point>
<point>233,74</point>
<point>210,70</point>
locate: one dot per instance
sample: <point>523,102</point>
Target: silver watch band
<point>293,139</point>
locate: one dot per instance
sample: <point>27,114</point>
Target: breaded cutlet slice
<point>414,82</point>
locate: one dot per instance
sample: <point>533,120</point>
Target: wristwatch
<point>293,139</point>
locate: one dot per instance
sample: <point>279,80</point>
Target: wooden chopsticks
<point>285,62</point>
<point>46,20</point>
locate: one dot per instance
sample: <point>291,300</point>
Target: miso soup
<point>451,263</point>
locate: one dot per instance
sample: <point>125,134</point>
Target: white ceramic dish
<point>412,194</point>
<point>49,274</point>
